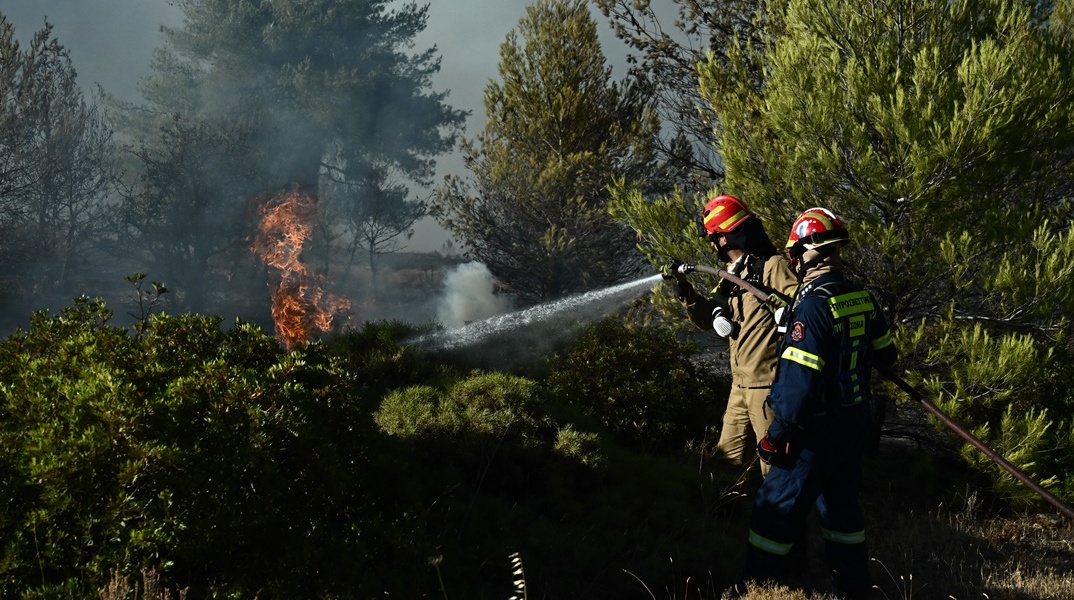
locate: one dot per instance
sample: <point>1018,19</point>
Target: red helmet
<point>723,214</point>
<point>814,228</point>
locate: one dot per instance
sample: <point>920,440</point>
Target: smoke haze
<point>469,295</point>
<point>111,44</point>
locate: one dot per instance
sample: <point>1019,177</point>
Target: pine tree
<point>937,131</point>
<point>312,74</point>
<point>667,40</point>
<point>559,131</point>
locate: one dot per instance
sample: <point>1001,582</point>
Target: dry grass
<point>959,555</point>
<point>931,536</point>
<point>121,588</point>
<point>941,556</point>
<point>945,553</point>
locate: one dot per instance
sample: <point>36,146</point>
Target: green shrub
<point>481,407</point>
<point>582,446</point>
<point>212,455</point>
<point>226,465</point>
<point>377,353</point>
<point>639,383</point>
<point>504,469</point>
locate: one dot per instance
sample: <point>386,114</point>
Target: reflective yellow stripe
<point>726,223</point>
<point>842,537</point>
<point>770,546</point>
<point>804,358</point>
<point>883,341</point>
<point>854,303</point>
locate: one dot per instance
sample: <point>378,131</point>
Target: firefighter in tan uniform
<point>748,325</point>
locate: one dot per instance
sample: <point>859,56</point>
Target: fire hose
<point>904,386</point>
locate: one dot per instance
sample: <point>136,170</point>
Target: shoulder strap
<point>754,272</point>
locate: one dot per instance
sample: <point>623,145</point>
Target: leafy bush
<point>487,406</point>
<point>475,425</point>
<point>504,469</point>
<point>211,455</point>
<point>351,468</point>
<point>639,383</point>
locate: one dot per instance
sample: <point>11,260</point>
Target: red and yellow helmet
<point>814,228</point>
<point>723,214</point>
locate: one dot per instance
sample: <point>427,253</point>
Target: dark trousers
<point>826,473</point>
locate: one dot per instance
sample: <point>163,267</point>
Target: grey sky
<point>111,42</point>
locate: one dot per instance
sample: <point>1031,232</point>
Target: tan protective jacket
<point>753,348</point>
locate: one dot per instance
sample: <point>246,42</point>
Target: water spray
<point>580,306</point>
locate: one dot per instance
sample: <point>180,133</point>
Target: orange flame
<point>300,305</point>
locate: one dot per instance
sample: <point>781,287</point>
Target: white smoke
<point>469,295</point>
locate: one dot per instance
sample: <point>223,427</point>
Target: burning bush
<point>300,304</point>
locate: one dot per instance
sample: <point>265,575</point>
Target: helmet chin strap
<point>801,267</point>
<point>798,249</point>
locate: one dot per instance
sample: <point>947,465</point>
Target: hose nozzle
<point>675,269</point>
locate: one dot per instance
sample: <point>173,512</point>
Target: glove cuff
<point>767,445</point>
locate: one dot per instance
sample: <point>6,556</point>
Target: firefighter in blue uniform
<point>822,415</point>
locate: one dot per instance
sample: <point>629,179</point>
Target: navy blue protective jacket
<point>835,335</point>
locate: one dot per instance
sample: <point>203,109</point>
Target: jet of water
<point>577,307</point>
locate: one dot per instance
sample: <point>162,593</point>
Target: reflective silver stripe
<point>770,546</point>
<point>842,537</point>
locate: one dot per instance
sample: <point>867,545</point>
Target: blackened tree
<point>311,89</point>
<point>182,212</point>
<point>377,211</point>
<point>56,166</point>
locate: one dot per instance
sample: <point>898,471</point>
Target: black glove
<point>683,290</point>
<point>775,452</point>
<point>673,270</point>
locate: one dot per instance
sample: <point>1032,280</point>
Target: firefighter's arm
<point>702,311</point>
<point>884,352</point>
<point>800,371</point>
<point>700,308</point>
<point>779,278</point>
